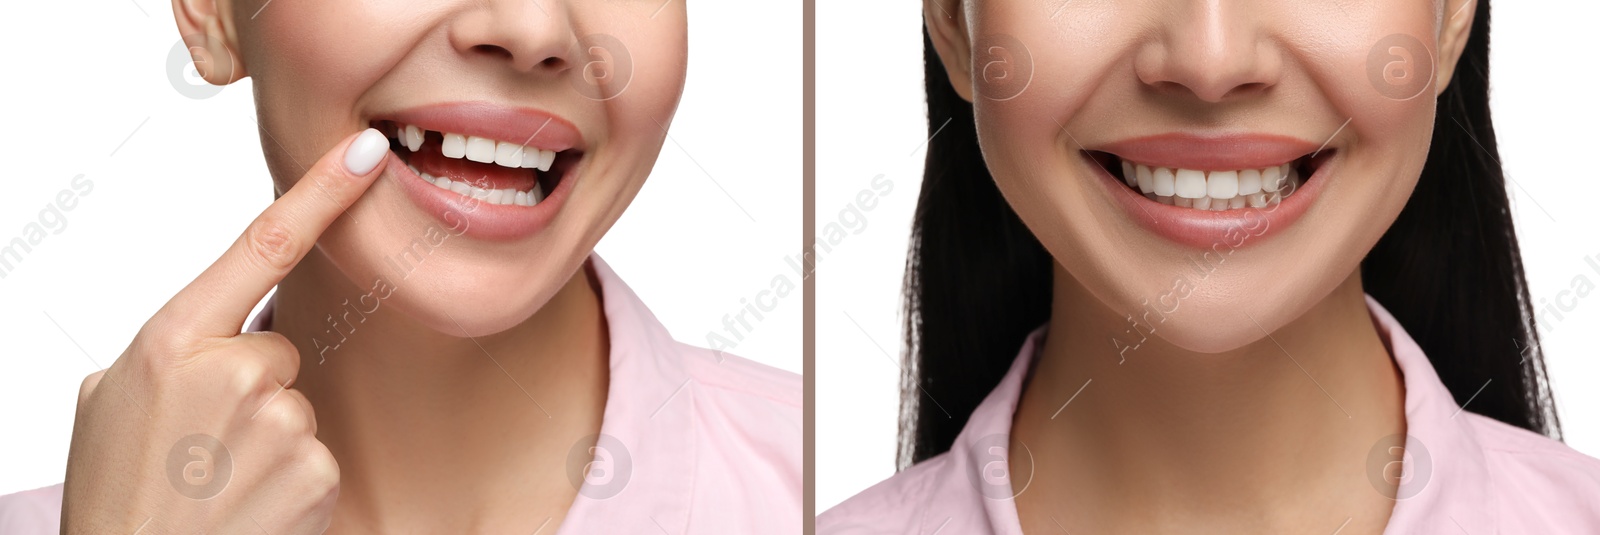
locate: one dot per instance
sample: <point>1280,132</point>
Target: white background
<point>871,120</point>
<point>176,179</point>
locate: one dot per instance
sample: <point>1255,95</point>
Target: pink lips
<point>476,218</point>
<point>1188,151</point>
<point>1202,229</point>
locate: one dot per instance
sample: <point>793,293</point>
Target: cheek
<point>647,65</point>
<point>1381,77</point>
<point>309,66</point>
<point>1031,76</point>
<point>334,43</point>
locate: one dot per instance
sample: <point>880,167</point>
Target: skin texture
<point>1210,424</point>
<point>415,424</point>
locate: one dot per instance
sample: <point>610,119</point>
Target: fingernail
<point>365,152</point>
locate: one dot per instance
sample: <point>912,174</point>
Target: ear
<point>947,29</point>
<point>207,31</point>
<point>1453,39</point>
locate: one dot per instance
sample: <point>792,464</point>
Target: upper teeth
<point>481,149</point>
<point>1213,190</point>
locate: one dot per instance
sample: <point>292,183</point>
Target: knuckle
<point>304,405</point>
<point>87,387</point>
<point>271,242</point>
<point>154,341</point>
<point>158,359</point>
<point>282,416</point>
<point>321,469</point>
<point>283,348</point>
<point>246,376</point>
<point>274,347</point>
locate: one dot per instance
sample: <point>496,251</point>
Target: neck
<point>1272,436</point>
<point>444,433</point>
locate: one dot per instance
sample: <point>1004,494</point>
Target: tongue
<point>429,159</point>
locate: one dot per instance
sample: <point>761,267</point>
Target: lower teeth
<point>491,196</point>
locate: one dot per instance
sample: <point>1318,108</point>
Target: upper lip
<point>1210,153</point>
<point>526,126</point>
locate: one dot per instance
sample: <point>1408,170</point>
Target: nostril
<point>492,50</point>
<point>1248,89</point>
<point>503,53</point>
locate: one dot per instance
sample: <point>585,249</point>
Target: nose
<point>530,35</point>
<point>1215,50</point>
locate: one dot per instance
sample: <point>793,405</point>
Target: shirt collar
<point>1450,478</point>
<point>1445,477</point>
<point>641,469</point>
<point>648,416</point>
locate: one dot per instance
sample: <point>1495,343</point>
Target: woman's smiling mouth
<point>437,158</point>
<point>1205,191</point>
<point>499,171</point>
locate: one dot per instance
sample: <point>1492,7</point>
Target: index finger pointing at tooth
<point>217,303</point>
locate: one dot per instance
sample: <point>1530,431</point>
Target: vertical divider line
<point>808,280</point>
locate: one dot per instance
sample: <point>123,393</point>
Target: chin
<point>457,317</point>
<point>1206,320</point>
<point>459,289</point>
<point>1200,336</point>
<point>473,306</point>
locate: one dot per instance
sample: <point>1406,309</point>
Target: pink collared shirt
<point>1464,472</point>
<point>698,441</point>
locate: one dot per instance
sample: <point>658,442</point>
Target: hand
<point>195,427</point>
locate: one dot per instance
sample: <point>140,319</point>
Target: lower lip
<point>1205,229</point>
<point>477,218</point>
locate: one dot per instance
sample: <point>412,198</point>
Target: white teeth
<point>1249,181</point>
<point>491,196</point>
<point>455,146</point>
<point>480,149</point>
<point>537,158</point>
<point>413,140</point>
<point>508,154</point>
<point>1213,190</point>
<point>1164,182</point>
<point>1222,184</point>
<point>1189,183</point>
<point>518,156</point>
<point>1271,179</point>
